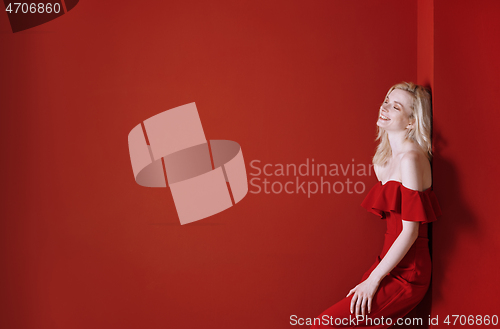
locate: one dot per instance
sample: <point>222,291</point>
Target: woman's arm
<point>397,251</point>
<point>363,293</point>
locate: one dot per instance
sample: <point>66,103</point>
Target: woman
<point>400,277</point>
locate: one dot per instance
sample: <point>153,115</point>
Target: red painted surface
<point>425,43</point>
<point>84,246</point>
<point>466,245</point>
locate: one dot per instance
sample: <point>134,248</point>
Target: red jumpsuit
<point>405,286</point>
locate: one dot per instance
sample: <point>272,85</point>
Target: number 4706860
<point>471,320</point>
<point>33,8</point>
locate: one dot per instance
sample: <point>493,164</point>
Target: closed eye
<point>385,102</point>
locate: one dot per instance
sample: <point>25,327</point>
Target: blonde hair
<point>421,131</point>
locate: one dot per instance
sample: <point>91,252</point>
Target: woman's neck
<point>399,144</point>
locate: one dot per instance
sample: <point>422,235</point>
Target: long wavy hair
<point>421,131</point>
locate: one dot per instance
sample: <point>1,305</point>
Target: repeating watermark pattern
<point>308,178</point>
<point>205,178</point>
<point>27,14</point>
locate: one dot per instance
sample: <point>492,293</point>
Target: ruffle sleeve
<point>382,198</point>
<point>417,206</point>
<point>411,205</point>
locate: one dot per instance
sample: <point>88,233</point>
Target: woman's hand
<point>362,296</point>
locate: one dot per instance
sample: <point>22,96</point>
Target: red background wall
<point>84,246</point>
<point>466,138</point>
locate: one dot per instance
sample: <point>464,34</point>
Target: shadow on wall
<point>457,220</point>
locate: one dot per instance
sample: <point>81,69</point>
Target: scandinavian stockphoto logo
<point>28,14</point>
<point>308,178</point>
<point>205,178</point>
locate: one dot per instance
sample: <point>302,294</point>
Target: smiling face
<point>395,111</point>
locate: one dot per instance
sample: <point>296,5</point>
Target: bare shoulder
<point>415,170</point>
<point>379,171</point>
<point>376,169</point>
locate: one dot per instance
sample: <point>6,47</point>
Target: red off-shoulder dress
<point>405,286</point>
